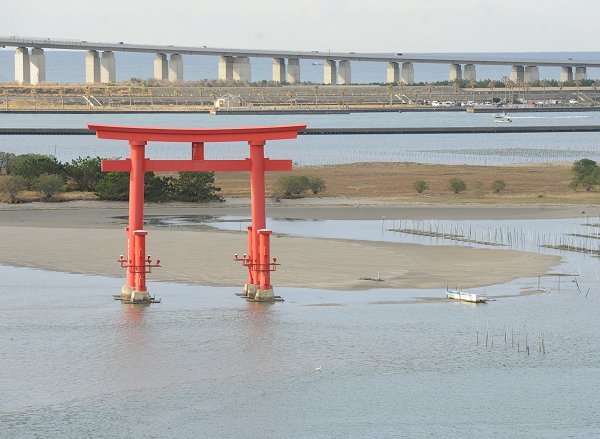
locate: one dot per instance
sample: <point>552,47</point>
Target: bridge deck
<point>52,43</point>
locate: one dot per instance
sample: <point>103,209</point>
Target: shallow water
<point>205,363</point>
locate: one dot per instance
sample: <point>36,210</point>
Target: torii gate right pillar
<point>259,287</point>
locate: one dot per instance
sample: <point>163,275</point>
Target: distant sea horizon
<point>68,67</point>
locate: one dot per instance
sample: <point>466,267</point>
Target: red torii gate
<point>258,259</point>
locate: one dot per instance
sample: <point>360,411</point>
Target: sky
<point>407,26</point>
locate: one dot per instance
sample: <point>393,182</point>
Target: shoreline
<point>306,110</point>
<point>317,208</point>
<point>88,241</point>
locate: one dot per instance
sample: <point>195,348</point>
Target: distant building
<point>229,101</point>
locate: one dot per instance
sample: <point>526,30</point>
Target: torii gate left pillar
<point>258,260</point>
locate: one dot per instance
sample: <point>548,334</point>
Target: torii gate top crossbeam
<point>238,134</point>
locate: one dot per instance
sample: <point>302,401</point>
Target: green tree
<point>586,173</point>
<point>85,172</point>
<point>420,186</point>
<point>316,185</point>
<point>49,185</point>
<point>498,186</point>
<point>12,184</point>
<point>31,166</point>
<point>291,185</point>
<point>113,186</point>
<point>196,187</point>
<point>157,189</point>
<point>457,185</point>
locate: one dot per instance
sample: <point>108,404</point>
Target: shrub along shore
<point>33,177</point>
<point>49,177</point>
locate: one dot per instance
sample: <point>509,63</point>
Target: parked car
<point>573,101</point>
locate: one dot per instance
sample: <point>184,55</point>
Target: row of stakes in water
<point>518,340</point>
<point>502,236</point>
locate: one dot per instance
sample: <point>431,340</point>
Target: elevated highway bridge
<point>234,64</point>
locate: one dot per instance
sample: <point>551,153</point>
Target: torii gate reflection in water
<point>258,260</point>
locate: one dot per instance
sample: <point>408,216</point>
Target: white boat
<point>503,120</point>
<point>458,294</point>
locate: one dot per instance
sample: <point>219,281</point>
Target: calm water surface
<point>205,363</point>
<point>485,149</point>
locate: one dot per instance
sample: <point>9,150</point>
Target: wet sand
<point>85,237</point>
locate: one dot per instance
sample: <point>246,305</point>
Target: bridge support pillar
<point>22,66</point>
<point>225,68</point>
<point>242,71</point>
<point>392,73</point>
<point>455,72</point>
<point>330,72</point>
<point>161,67</point>
<point>470,73</point>
<point>37,68</point>
<point>517,73</point>
<point>532,74</point>
<point>92,67</point>
<point>566,74</point>
<point>580,73</point>
<point>293,71</point>
<point>344,73</point>
<point>175,67</point>
<point>107,67</point>
<point>407,75</point>
<point>279,70</point>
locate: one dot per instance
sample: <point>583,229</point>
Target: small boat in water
<point>502,118</point>
<point>458,294</point>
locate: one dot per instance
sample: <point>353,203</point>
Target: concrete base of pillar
<point>129,295</point>
<point>140,297</point>
<point>250,290</point>
<point>126,291</point>
<point>264,295</point>
<point>253,293</point>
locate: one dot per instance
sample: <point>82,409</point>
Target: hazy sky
<point>336,25</point>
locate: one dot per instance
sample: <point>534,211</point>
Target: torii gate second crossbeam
<point>258,260</point>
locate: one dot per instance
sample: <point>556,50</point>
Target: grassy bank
<point>394,182</point>
<point>535,184</point>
